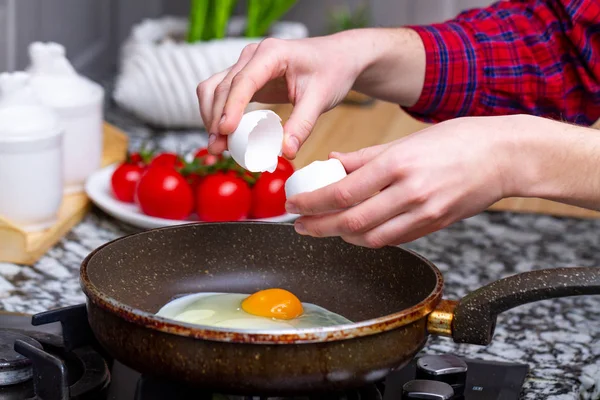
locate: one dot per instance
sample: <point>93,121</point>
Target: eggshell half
<point>314,176</point>
<point>257,141</point>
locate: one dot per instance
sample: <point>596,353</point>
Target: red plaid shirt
<point>535,57</point>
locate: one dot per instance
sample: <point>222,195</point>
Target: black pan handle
<point>475,315</point>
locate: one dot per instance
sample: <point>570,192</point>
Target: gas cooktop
<point>54,356</point>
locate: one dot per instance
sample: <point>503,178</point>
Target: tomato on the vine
<point>223,197</point>
<point>164,193</point>
<point>206,158</point>
<point>194,180</point>
<point>124,180</point>
<point>268,195</point>
<point>136,158</point>
<point>166,159</point>
<point>141,157</point>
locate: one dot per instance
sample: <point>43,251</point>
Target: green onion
<point>253,15</point>
<point>197,19</point>
<point>273,13</point>
<point>263,13</point>
<point>208,19</point>
<point>221,16</point>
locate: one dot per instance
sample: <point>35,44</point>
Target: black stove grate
<point>76,331</point>
<point>63,367</point>
<point>14,366</point>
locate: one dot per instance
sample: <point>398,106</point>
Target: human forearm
<point>403,190</point>
<point>392,65</point>
<point>555,161</point>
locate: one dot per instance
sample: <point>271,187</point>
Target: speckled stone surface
<point>559,339</point>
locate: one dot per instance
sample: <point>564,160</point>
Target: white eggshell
<point>314,176</point>
<point>257,141</point>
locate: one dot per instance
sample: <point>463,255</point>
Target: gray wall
<point>92,30</point>
<point>86,27</point>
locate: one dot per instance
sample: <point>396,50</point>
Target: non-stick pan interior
<point>146,270</point>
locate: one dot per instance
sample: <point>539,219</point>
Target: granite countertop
<point>557,338</point>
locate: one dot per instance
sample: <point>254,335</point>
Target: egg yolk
<point>273,303</point>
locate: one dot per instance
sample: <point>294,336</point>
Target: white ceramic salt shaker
<point>31,164</point>
<point>78,101</point>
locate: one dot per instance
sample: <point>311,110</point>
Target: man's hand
<point>398,192</point>
<point>278,71</point>
<point>313,74</point>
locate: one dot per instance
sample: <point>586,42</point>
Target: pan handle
<point>474,319</point>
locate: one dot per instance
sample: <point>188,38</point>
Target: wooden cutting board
<point>349,128</point>
<point>25,248</point>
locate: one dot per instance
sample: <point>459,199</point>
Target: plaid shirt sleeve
<point>516,56</point>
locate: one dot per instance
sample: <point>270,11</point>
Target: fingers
<point>355,220</point>
<point>222,90</point>
<point>205,93</point>
<point>356,159</point>
<point>217,144</point>
<point>260,69</point>
<point>356,187</point>
<point>301,122</point>
<point>401,229</point>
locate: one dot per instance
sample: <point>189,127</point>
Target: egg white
<point>224,310</point>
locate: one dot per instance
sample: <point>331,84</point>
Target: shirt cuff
<point>452,73</point>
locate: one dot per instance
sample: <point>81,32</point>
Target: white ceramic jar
<point>78,101</point>
<point>31,166</point>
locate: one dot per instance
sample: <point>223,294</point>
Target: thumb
<point>356,159</point>
<point>301,122</point>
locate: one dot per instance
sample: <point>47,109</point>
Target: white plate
<point>99,191</point>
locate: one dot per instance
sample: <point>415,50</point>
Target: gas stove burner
<point>14,367</point>
<point>58,365</point>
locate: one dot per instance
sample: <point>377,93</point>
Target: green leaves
<point>224,164</point>
<point>221,16</point>
<point>197,19</point>
<point>263,13</point>
<point>208,19</point>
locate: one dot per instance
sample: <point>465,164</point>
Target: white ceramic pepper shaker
<point>31,164</point>
<point>79,103</point>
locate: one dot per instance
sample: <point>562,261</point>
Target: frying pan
<point>392,295</point>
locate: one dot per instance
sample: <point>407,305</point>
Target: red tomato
<point>124,180</point>
<point>136,158</point>
<point>162,192</point>
<point>142,157</point>
<point>284,166</point>
<point>268,195</point>
<point>194,180</point>
<point>206,157</point>
<point>170,160</point>
<point>222,197</point>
